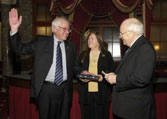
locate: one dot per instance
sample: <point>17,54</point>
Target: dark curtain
<point>88,8</point>
<point>148,17</point>
<point>117,9</point>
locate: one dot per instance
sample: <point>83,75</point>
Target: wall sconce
<point>156,47</point>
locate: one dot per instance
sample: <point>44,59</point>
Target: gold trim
<point>131,15</point>
<point>85,9</point>
<point>149,4</point>
<point>122,5</point>
<point>123,8</point>
<point>69,9</point>
<point>71,16</point>
<point>51,6</point>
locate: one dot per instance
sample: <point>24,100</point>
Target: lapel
<point>100,60</point>
<point>51,45</point>
<point>86,62</point>
<point>50,48</point>
<point>47,57</point>
<point>132,49</point>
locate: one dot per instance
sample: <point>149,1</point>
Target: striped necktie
<point>59,68</point>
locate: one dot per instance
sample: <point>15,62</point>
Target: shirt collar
<point>56,39</point>
<point>135,40</point>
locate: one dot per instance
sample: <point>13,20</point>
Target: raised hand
<point>14,20</point>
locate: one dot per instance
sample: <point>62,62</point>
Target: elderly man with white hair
<point>132,96</point>
<point>53,71</point>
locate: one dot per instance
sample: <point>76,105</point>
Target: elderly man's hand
<point>111,77</point>
<point>14,20</point>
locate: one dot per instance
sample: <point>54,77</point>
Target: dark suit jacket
<point>106,64</point>
<point>132,96</point>
<point>42,50</point>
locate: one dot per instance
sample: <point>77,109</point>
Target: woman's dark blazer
<point>106,64</point>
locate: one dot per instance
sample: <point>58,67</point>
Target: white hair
<point>136,27</point>
<point>57,22</point>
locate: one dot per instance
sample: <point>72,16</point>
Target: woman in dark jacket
<point>95,96</point>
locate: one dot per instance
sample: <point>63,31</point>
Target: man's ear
<point>54,28</point>
<point>131,35</point>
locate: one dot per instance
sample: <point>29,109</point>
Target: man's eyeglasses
<point>122,33</point>
<point>65,29</point>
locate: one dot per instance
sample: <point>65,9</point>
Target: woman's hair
<point>99,40</point>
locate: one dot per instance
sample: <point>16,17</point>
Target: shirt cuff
<point>11,34</point>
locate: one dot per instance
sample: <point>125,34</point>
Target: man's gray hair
<point>57,22</point>
<point>136,27</point>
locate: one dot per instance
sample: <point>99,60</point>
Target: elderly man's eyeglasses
<point>122,33</point>
<point>65,29</point>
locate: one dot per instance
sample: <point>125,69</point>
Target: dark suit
<point>42,50</point>
<point>132,96</point>
<point>103,97</point>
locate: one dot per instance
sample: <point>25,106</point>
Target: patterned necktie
<point>59,68</point>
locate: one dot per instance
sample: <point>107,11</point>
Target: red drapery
<point>117,9</point>
<point>67,6</point>
<point>126,6</point>
<point>148,22</point>
<point>19,104</point>
<point>20,107</point>
<point>88,8</point>
<point>81,19</point>
<point>148,17</point>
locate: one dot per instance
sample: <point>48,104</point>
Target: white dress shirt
<point>51,74</point>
